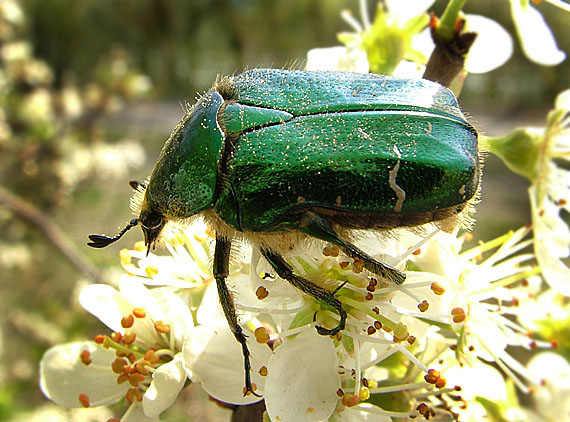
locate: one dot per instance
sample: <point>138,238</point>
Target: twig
<point>28,212</point>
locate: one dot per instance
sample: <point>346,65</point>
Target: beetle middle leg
<point>221,271</point>
<point>285,271</point>
<point>316,226</point>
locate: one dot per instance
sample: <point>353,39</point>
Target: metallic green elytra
<point>269,152</point>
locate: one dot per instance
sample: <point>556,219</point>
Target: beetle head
<point>152,223</point>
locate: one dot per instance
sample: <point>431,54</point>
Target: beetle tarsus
<point>316,226</point>
<point>221,271</point>
<point>285,271</point>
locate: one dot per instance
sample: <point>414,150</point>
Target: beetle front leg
<point>285,271</point>
<point>316,226</point>
<point>221,271</point>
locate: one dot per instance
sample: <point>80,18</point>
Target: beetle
<point>277,156</point>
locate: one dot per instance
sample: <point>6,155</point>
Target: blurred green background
<point>89,91</point>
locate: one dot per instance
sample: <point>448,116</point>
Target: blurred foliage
<point>183,45</point>
<point>68,66</point>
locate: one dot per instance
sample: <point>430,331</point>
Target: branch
<point>28,212</point>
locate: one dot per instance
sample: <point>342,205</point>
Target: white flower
<point>141,360</point>
<point>378,46</point>
<point>550,194</point>
<point>537,40</point>
<point>475,297</point>
<point>337,58</point>
<point>552,394</point>
<point>308,377</point>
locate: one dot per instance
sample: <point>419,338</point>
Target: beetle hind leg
<point>221,271</point>
<point>316,226</point>
<point>285,271</point>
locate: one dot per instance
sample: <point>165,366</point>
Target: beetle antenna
<point>101,240</point>
<point>135,184</point>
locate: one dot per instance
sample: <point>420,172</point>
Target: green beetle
<point>275,156</point>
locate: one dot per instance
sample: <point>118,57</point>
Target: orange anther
<point>127,321</point>
<point>161,327</point>
<point>85,357</point>
<point>84,400</point>
<point>437,288</point>
<point>139,312</point>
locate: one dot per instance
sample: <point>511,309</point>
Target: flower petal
<point>302,380</point>
<point>406,10</point>
<point>167,382</point>
<point>213,357</point>
<point>106,303</point>
<point>337,58</point>
<point>176,314</point>
<point>492,47</point>
<point>136,414</point>
<point>359,414</point>
<point>63,376</point>
<point>537,40</point>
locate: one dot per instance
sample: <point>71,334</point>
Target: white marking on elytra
<point>400,193</point>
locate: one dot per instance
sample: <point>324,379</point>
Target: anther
<point>118,365</point>
<point>84,400</point>
<point>161,327</point>
<point>350,400</point>
<point>437,288</point>
<point>423,306</point>
<point>85,357</point>
<point>364,393</point>
<point>129,338</point>
<point>151,271</point>
<point>331,250</point>
<point>261,293</point>
<point>263,371</point>
<point>261,335</point>
<point>458,315</point>
<point>139,312</point>
<point>151,356</point>
<point>127,321</point>
<point>100,338</point>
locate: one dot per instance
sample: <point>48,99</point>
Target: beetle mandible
<point>275,156</point>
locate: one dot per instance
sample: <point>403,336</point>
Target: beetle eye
<point>151,219</point>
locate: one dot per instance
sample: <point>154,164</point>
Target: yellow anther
<point>261,335</point>
<point>364,393</point>
<point>151,271</point>
<point>125,257</point>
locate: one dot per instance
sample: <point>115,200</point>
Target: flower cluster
<point>401,355</point>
